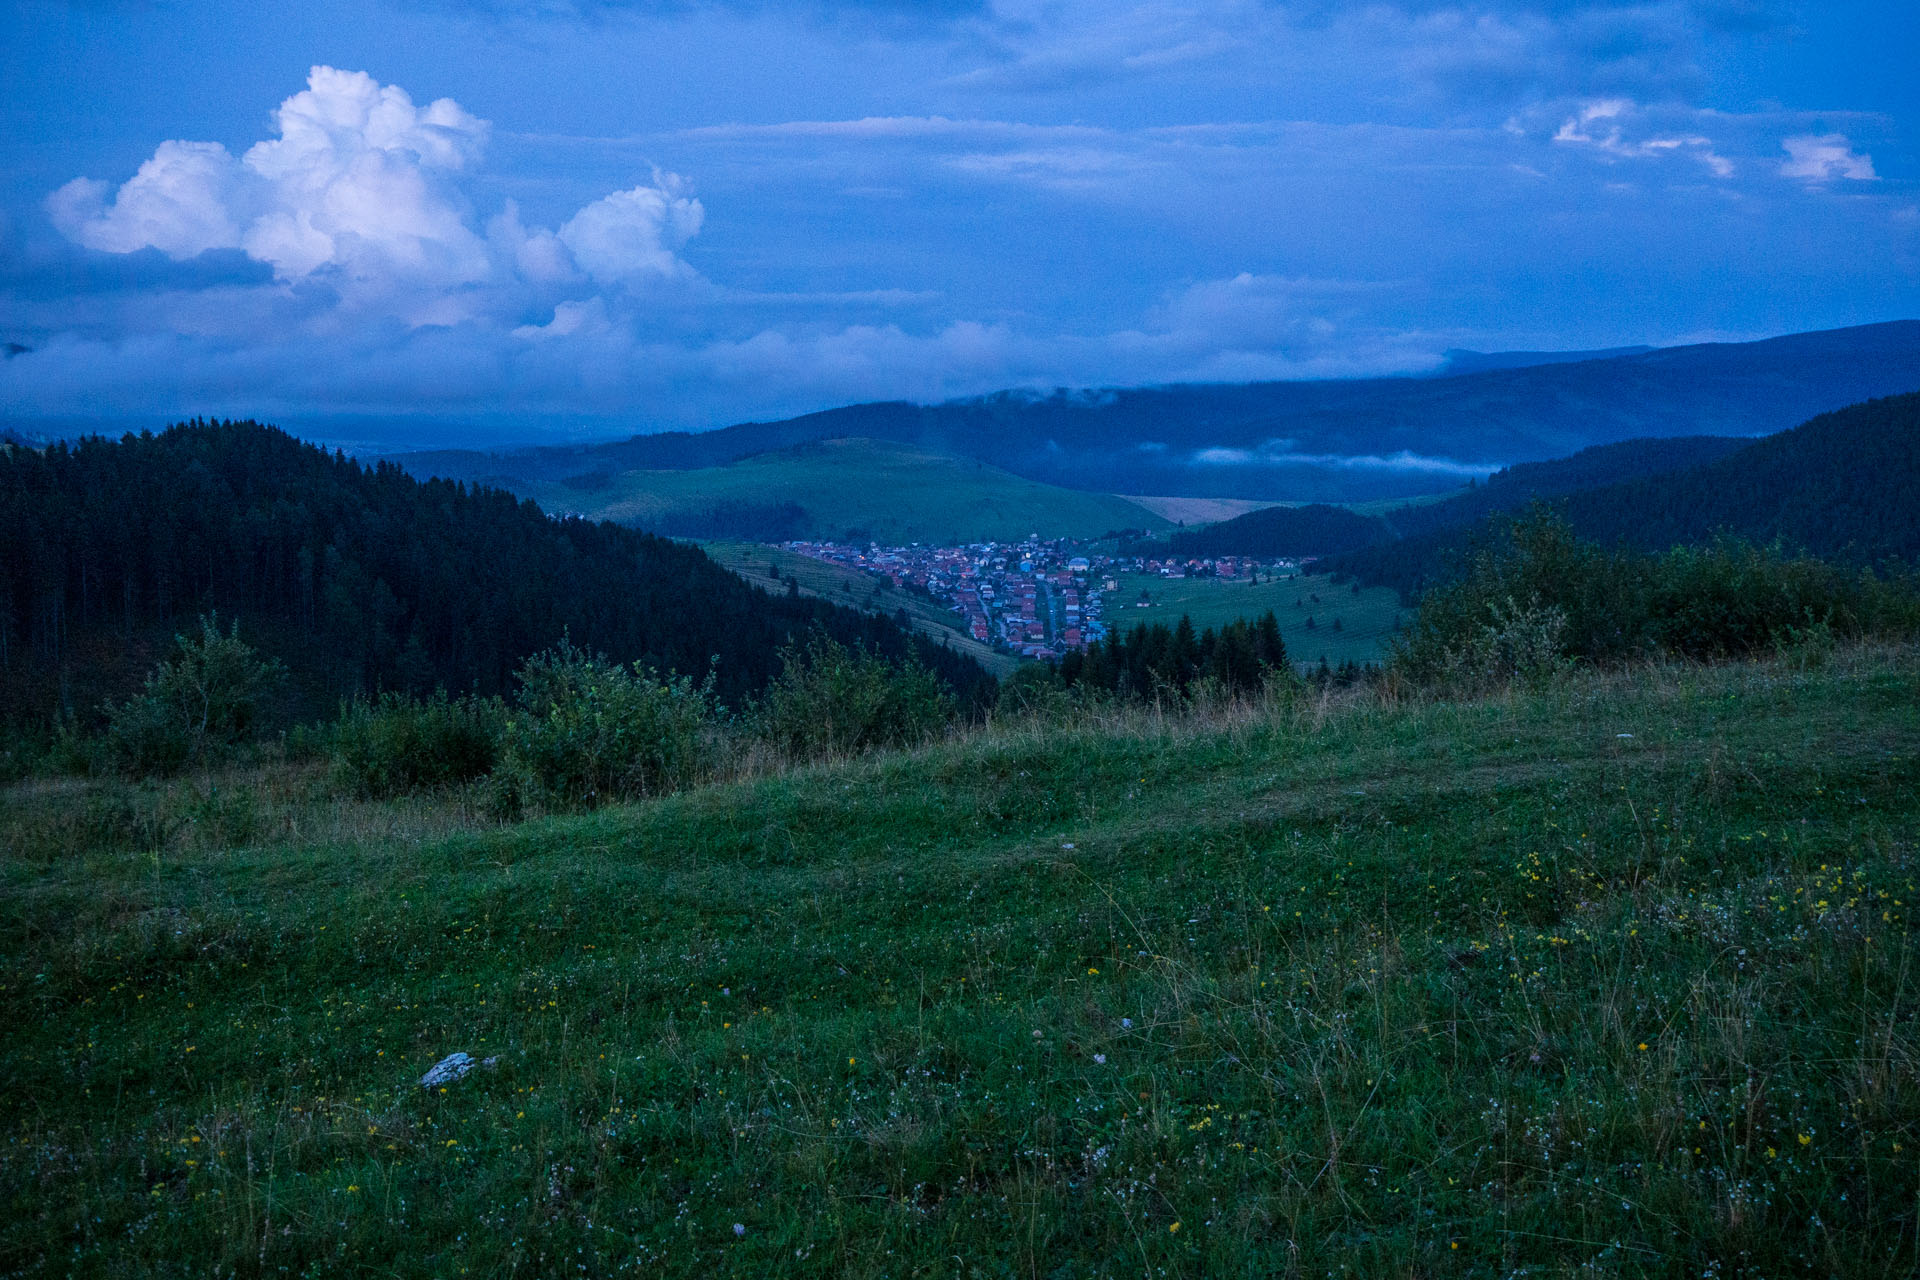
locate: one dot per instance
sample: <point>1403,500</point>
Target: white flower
<point>1100,1059</point>
<point>739,1229</point>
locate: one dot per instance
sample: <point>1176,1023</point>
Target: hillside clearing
<point>1366,621</point>
<point>1614,976</point>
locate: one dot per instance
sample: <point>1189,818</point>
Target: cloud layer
<point>919,200</point>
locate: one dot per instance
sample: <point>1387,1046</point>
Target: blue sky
<point>431,219</point>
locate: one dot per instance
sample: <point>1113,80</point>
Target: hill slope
<point>357,578</point>
<point>1313,441</point>
<point>1840,486</point>
<point>847,489</point>
<point>1612,978</point>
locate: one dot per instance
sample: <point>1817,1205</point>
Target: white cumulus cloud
<point>634,233</point>
<point>1824,157</point>
<point>360,188</point>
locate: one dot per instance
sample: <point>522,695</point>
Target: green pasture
<point>865,488</point>
<point>1366,621</point>
<point>1611,978</point>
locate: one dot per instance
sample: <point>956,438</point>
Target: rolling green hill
<point>847,489</point>
<point>1611,978</point>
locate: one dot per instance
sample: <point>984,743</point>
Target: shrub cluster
<point>585,731</point>
<point>395,744</point>
<point>832,700</point>
<point>197,706</point>
<point>1536,599</point>
<point>579,731</point>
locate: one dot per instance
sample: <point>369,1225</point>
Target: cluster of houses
<point>1038,598</point>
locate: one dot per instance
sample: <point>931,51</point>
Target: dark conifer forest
<point>358,578</point>
<point>1839,486</point>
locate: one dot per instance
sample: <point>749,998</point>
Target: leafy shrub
<point>831,700</point>
<point>586,731</point>
<point>398,744</point>
<point>1731,599</point>
<point>1537,598</point>
<point>196,706</point>
<point>1035,691</point>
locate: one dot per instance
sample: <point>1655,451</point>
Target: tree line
<point>359,578</point>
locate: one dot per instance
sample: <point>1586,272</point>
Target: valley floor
<point>1615,978</point>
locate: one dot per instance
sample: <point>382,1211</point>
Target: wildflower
<point>739,1228</point>
<point>1100,1059</point>
<point>1174,1228</point>
<point>1093,971</point>
<point>1127,1023</point>
<point>1806,1139</point>
<point>1643,1046</point>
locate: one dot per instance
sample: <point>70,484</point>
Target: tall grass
<point>1609,976</point>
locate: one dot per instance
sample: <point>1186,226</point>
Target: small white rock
<point>447,1070</point>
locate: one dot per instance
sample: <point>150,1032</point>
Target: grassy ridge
<point>893,493</point>
<point>1448,989</point>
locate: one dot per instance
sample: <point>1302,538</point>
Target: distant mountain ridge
<point>1344,441</point>
<point>1459,361</point>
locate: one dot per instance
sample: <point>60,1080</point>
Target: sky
<point>476,221</point>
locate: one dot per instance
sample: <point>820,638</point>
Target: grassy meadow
<point>892,493</point>
<point>1366,620</point>
<point>1616,977</point>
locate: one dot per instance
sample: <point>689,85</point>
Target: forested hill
<point>356,577</point>
<point>1840,486</point>
<point>1608,464</point>
<point>1331,531</point>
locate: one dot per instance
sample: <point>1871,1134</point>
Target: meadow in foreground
<point>1611,978</point>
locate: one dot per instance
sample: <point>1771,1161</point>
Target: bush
<point>1732,599</point>
<point>399,744</point>
<point>1537,598</point>
<point>196,707</point>
<point>586,731</point>
<point>1035,691</point>
<point>830,700</point>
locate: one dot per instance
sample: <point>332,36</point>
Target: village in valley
<point>1038,598</point>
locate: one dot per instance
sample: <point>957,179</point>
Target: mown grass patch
<point>1443,989</point>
